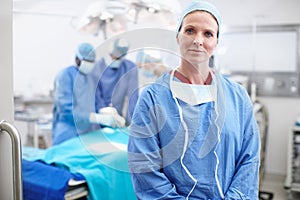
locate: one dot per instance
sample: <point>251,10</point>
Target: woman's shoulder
<point>161,83</point>
<point>159,88</point>
<point>235,91</point>
<point>232,85</point>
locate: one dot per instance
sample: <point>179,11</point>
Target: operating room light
<point>109,15</point>
<point>106,16</point>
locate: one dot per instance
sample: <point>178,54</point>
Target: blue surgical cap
<point>85,51</point>
<point>120,48</point>
<point>200,5</point>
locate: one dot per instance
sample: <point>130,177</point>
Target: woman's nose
<point>198,40</point>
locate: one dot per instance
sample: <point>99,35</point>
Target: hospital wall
<point>6,95</point>
<point>43,45</point>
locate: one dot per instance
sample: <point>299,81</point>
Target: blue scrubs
<point>115,84</point>
<point>74,100</point>
<point>156,142</point>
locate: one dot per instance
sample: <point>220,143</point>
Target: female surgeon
<point>193,133</point>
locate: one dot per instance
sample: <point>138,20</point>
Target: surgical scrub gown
<point>74,100</point>
<point>155,148</point>
<point>117,84</point>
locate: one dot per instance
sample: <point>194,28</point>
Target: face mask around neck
<point>191,93</point>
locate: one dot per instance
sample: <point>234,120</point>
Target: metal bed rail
<point>16,158</point>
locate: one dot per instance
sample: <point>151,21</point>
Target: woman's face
<point>197,37</point>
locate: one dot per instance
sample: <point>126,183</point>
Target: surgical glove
<point>107,119</point>
<point>118,120</point>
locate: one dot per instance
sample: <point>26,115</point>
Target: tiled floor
<point>275,184</point>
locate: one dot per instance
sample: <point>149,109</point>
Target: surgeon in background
<point>74,109</point>
<point>193,133</point>
<point>117,81</point>
<point>150,63</point>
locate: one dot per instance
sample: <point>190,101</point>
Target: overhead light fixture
<point>116,7</point>
<point>106,16</point>
<point>99,14</point>
<point>155,6</point>
<point>115,14</point>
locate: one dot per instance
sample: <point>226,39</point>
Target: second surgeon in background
<point>118,81</point>
<point>193,133</point>
<point>73,89</point>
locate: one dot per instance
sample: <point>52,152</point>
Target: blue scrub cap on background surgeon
<point>200,5</point>
<point>120,48</point>
<point>85,51</point>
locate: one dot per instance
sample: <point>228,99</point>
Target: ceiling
<point>234,12</point>
<point>73,7</point>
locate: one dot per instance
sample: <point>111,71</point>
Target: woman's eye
<point>209,34</point>
<point>189,31</point>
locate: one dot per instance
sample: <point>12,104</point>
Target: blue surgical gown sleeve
<point>244,184</point>
<point>63,93</point>
<point>132,92</point>
<point>83,102</point>
<point>144,154</point>
<point>63,126</point>
<point>97,73</point>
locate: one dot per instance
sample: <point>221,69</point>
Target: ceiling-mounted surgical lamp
<point>93,24</point>
<point>138,6</point>
<point>114,15</point>
<point>154,6</point>
<point>116,7</point>
<point>100,14</point>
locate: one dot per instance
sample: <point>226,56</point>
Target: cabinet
<point>33,117</point>
<point>292,182</point>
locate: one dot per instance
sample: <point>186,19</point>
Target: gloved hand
<point>118,120</point>
<point>108,117</point>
